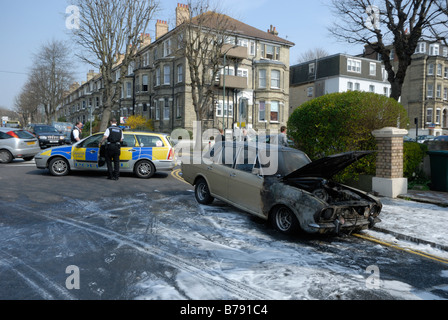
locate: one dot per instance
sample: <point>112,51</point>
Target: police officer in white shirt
<point>114,136</point>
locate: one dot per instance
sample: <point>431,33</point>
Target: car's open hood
<point>329,166</point>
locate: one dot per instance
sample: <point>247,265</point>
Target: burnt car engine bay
<point>344,204</point>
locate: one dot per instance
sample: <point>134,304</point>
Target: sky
<point>26,25</point>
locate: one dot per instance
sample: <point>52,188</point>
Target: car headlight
<point>61,138</point>
<point>43,137</point>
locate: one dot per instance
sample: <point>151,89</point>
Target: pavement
<point>418,216</point>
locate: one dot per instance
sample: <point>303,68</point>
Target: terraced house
<point>251,89</point>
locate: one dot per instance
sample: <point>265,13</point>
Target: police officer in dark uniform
<point>114,137</point>
<point>75,135</point>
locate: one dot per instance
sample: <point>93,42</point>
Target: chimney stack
<point>182,14</point>
<point>90,75</point>
<point>161,28</point>
<point>145,39</point>
<point>273,31</point>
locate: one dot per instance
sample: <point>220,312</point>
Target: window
<point>430,93</point>
<point>438,113</point>
<point>354,65</point>
<point>421,47</point>
<point>433,49</point>
<point>179,104</point>
<point>392,54</point>
<point>372,69</point>
<point>157,77</point>
<point>262,78</point>
<point>445,93</point>
<point>275,79</point>
<point>243,43</point>
<point>145,83</point>
<point>439,69</point>
<point>429,115</point>
<point>180,73</point>
<point>309,91</point>
<point>157,109</point>
<point>137,84</point>
<point>274,111</point>
<point>372,88</point>
<point>262,111</point>
<point>166,74</point>
<point>349,86</point>
<point>430,69</point>
<point>242,73</point>
<point>311,68</point>
<point>131,67</point>
<point>128,89</point>
<point>228,112</point>
<point>166,110</point>
<point>357,87</point>
<point>167,48</point>
<point>270,52</point>
<point>252,48</point>
<point>439,91</point>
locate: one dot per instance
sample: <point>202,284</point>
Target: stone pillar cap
<point>389,132</point>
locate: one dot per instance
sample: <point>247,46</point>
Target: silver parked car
<point>17,143</point>
<point>282,185</point>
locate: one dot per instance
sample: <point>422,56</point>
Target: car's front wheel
<point>144,169</point>
<point>202,192</point>
<point>5,156</point>
<point>59,167</point>
<point>284,220</point>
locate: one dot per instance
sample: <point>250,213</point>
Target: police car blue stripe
<point>63,151</point>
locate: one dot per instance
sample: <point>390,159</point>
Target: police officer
<point>114,136</point>
<point>75,135</point>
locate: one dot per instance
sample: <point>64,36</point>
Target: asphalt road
<point>83,237</point>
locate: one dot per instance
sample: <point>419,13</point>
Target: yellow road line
<point>176,175</point>
<point>388,244</point>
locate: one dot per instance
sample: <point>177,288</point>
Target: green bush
<point>413,154</point>
<point>342,122</point>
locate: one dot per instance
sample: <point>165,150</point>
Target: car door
<point>218,167</point>
<point>128,153</point>
<point>245,185</point>
<point>87,153</point>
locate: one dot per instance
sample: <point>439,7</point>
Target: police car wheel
<point>58,167</point>
<point>144,169</point>
<point>5,156</point>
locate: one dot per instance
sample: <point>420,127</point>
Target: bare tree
<point>26,104</point>
<point>109,35</point>
<point>312,54</point>
<point>204,34</point>
<point>50,76</point>
<point>387,24</point>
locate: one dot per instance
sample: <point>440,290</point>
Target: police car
<point>142,153</point>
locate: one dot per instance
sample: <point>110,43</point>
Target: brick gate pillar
<point>389,181</point>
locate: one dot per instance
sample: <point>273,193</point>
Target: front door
<point>87,153</point>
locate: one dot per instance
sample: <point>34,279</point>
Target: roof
<point>238,27</point>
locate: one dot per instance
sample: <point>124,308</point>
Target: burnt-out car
<point>282,185</point>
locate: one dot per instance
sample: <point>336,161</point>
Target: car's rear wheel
<point>284,220</point>
<point>5,156</point>
<point>59,167</point>
<point>202,192</point>
<point>144,169</point>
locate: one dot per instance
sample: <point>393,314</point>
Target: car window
<point>91,142</point>
<point>223,153</point>
<point>22,134</point>
<point>292,161</point>
<point>3,135</point>
<point>149,141</point>
<point>246,159</point>
<point>45,129</point>
<point>129,140</point>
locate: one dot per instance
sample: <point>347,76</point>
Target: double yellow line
<point>392,245</point>
<point>176,175</point>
